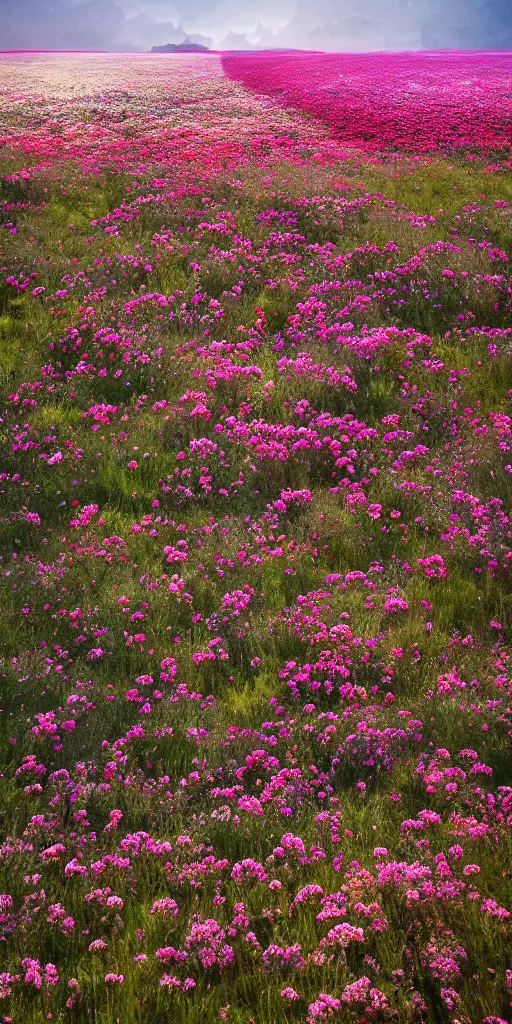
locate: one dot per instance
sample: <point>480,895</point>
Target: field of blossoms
<point>255,575</point>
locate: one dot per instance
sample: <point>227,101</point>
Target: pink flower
<point>343,934</point>
<point>289,994</point>
<point>73,867</point>
<point>166,907</point>
<point>248,870</point>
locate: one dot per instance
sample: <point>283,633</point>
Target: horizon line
<point>262,50</point>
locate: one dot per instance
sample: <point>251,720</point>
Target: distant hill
<point>186,46</point>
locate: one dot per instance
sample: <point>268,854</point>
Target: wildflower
<point>165,907</point>
<point>97,945</point>
<point>307,893</point>
<point>289,994</point>
<point>323,1008</point>
<point>248,870</point>
<point>343,934</point>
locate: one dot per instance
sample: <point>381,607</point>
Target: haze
<point>128,25</point>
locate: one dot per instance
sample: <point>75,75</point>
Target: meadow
<point>255,574</point>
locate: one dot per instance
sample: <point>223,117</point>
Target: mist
<point>354,25</point>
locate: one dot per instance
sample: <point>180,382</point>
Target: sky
<point>354,25</point>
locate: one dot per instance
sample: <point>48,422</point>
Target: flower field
<point>255,485</point>
<point>417,102</point>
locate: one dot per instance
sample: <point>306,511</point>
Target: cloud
<point>142,31</point>
<point>242,20</point>
<point>306,24</point>
<point>36,24</point>
<point>361,25</point>
<point>356,33</point>
<point>469,24</point>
